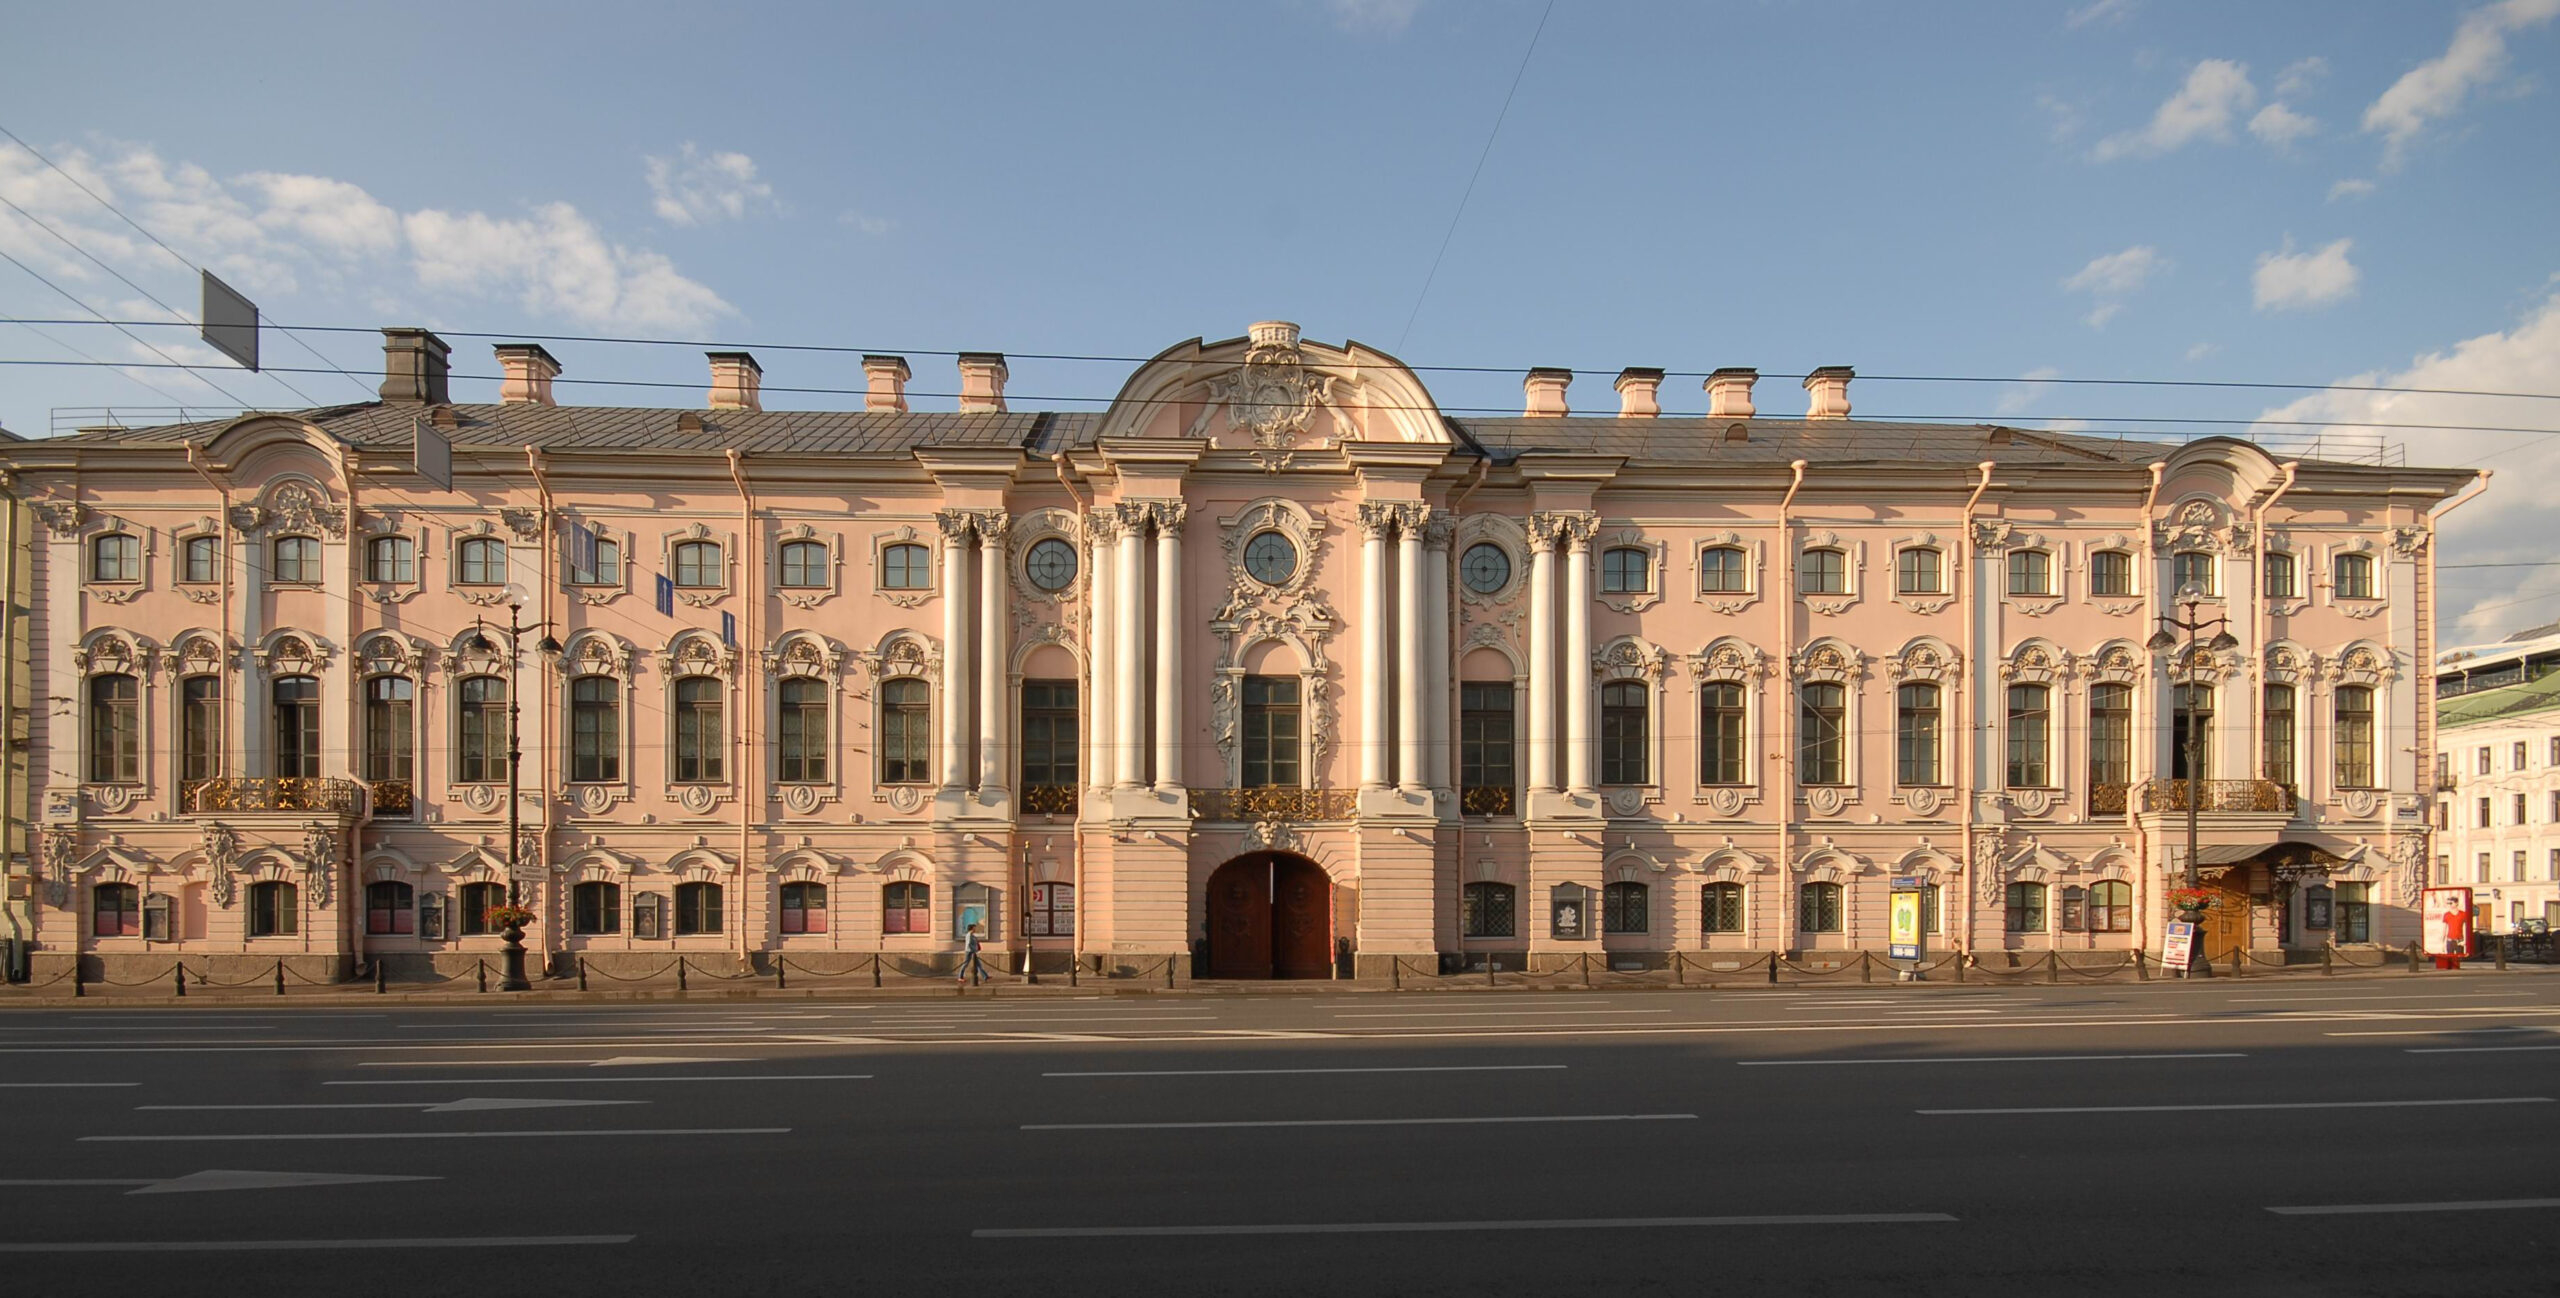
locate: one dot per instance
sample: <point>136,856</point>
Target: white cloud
<point>332,213</point>
<point>2300,75</point>
<point>2105,311</point>
<point>2017,397</point>
<point>865,222</point>
<point>2109,12</point>
<point>2432,90</point>
<point>2279,125</point>
<point>555,263</point>
<point>2202,350</point>
<point>2351,187</point>
<point>2217,93</point>
<point>2118,272</point>
<point>1374,17</point>
<point>697,188</point>
<point>2287,280</point>
<point>2512,519</point>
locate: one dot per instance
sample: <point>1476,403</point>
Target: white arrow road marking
<point>474,1104</point>
<point>228,1179</point>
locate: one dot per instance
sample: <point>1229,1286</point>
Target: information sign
<point>2179,950</point>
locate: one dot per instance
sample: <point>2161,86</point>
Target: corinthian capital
<point>1570,527</point>
<point>954,524</point>
<point>990,524</point>
<point>1168,516</point>
<point>1378,517</point>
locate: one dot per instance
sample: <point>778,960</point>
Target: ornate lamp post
<point>515,596</point>
<point>2193,744</point>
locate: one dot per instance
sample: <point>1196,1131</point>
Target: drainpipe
<point>542,715</point>
<point>9,809</point>
<point>2151,615</point>
<point>222,555</point>
<point>1964,759</point>
<point>351,928</point>
<point>1786,606</point>
<point>750,790</point>
<point>1075,839</point>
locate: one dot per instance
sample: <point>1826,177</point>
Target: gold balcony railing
<point>1049,799</point>
<point>2217,795</point>
<point>395,799</point>
<point>2108,799</point>
<point>1273,804</point>
<point>1489,800</point>
<point>271,793</point>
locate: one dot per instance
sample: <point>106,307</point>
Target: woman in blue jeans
<point>972,969</point>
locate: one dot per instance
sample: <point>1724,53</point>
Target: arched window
<point>1625,744</point>
<point>804,908</point>
<point>906,566</point>
<point>1721,906</point>
<point>2276,761</point>
<point>1721,737</point>
<point>1722,570</point>
<point>800,737</point>
<point>295,560</point>
<point>199,727</point>
<point>697,909</point>
<point>476,901</point>
<point>595,730</point>
<point>2111,734</point>
<point>1626,907</point>
<point>115,729</point>
<point>200,559</point>
<point>2191,731</point>
<point>391,559</point>
<point>906,731</point>
<point>115,556</point>
<point>1626,570</point>
<point>698,564</point>
<point>1818,908</point>
<point>1915,734</point>
<point>2191,568</point>
<point>2111,906</point>
<point>2355,737</point>
<point>481,561</point>
<point>1271,731</point>
<point>115,910</point>
<point>390,743</point>
<point>1920,571</point>
<point>1487,909</point>
<point>606,570</point>
<point>701,739</point>
<point>1823,572</point>
<point>906,908</point>
<point>2030,572</point>
<point>2355,576</point>
<point>2110,573</point>
<point>294,706</point>
<point>1822,756</point>
<point>2281,581</point>
<point>275,909</point>
<point>595,908</point>
<point>2024,903</point>
<point>804,564</point>
<point>390,908</point>
<point>2030,737</point>
<point>480,734</point>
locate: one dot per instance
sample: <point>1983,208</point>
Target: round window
<point>1485,568</point>
<point>1051,564</point>
<point>1270,559</point>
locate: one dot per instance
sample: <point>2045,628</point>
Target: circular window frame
<point>1466,577</point>
<point>1030,574</point>
<point>1296,558</point>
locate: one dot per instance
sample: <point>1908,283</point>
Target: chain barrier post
<point>1773,968</point>
<point>2239,954</point>
<point>875,970</point>
<point>2328,966</point>
<point>381,977</point>
<point>782,973</point>
<point>582,973</point>
<point>279,975</point>
<point>79,981</point>
<point>2052,967</point>
<point>680,984</point>
<point>2413,957</point>
<point>1679,968</point>
<point>1586,969</point>
<point>2501,940</point>
<point>1168,971</point>
<point>481,967</point>
<point>178,974</point>
<point>1395,972</point>
<point>1866,966</point>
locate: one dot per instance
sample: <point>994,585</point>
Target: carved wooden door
<point>1302,920</point>
<point>2226,921</point>
<point>1240,919</point>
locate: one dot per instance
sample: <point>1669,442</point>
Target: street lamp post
<point>2192,744</point>
<point>512,978</point>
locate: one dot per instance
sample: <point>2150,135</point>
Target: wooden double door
<point>1270,916</point>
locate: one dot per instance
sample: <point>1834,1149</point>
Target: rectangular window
<point>1722,908</point>
<point>2111,740</point>
<point>2110,573</point>
<point>480,705</point>
<point>2518,808</point>
<point>2355,736</point>
<point>199,560</point>
<point>115,729</point>
<point>1823,742</point>
<point>2515,869</point>
<point>389,750</point>
<point>1625,742</point>
<point>1818,908</point>
<point>2191,732</point>
<point>1916,725</point>
<point>702,740</point>
<point>2483,821</point>
<point>2025,907</point>
<point>1049,741</point>
<point>1626,907</point>
<point>697,909</point>
<point>2354,916</point>
<point>595,730</point>
<point>296,560</point>
<point>1488,781</point>
<point>2191,570</point>
<point>2480,873</point>
<point>2481,759</point>
<point>2030,572</point>
<point>1918,571</point>
<point>804,908</point>
<point>605,568</point>
<point>1487,910</point>
<point>391,559</point>
<point>800,731</point>
<point>1720,733</point>
<point>2519,755</point>
<point>296,701</point>
<point>2277,757</point>
<point>595,908</point>
<point>2030,735</point>
<point>2354,575</point>
<point>1271,732</point>
<point>906,908</point>
<point>1823,572</point>
<point>906,730</point>
<point>2280,579</point>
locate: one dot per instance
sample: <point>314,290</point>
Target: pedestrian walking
<point>973,970</point>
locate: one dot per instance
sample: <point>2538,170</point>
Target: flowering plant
<point>2190,899</point>
<point>509,916</point>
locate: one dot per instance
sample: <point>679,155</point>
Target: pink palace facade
<point>1271,666</point>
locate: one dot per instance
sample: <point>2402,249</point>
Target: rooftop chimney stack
<point>886,379</point>
<point>1639,393</point>
<point>1729,392</point>
<point>529,371</point>
<point>1828,387</point>
<point>1543,393</point>
<point>982,377</point>
<point>737,382</point>
<point>414,366</point>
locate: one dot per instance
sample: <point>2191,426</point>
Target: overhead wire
<point>1469,192</point>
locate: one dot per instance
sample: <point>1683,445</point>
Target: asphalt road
<point>2383,1136</point>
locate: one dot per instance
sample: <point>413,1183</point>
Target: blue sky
<point>2308,192</point>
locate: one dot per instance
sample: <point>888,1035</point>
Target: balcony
<point>2108,799</point>
<point>394,799</point>
<point>229,795</point>
<point>2217,795</point>
<point>1273,803</point>
<point>1489,800</point>
<point>1049,799</point>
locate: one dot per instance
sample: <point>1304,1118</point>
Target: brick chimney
<point>737,382</point>
<point>1542,393</point>
<point>982,377</point>
<point>414,366</point>
<point>1639,393</point>
<point>529,371</point>
<point>886,377</point>
<point>1729,392</point>
<point>1828,388</point>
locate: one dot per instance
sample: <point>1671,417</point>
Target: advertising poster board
<point>2178,950</point>
<point>1902,939</point>
<point>2445,916</point>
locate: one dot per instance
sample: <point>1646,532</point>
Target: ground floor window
<point>389,909</point>
<point>115,910</point>
<point>275,909</point>
<point>906,908</point>
<point>2025,905</point>
<point>595,908</point>
<point>697,909</point>
<point>1818,908</point>
<point>1626,907</point>
<point>1053,910</point>
<point>2111,906</point>
<point>804,908</point>
<point>478,899</point>
<point>2354,916</point>
<point>1485,910</point>
<point>1721,904</point>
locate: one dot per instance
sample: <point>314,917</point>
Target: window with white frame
<point>115,556</point>
<point>1823,571</point>
<point>2192,570</point>
<point>1724,570</point>
<point>2030,572</point>
<point>2110,573</point>
<point>2352,575</point>
<point>1920,570</point>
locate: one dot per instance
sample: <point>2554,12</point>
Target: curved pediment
<point>1273,393</point>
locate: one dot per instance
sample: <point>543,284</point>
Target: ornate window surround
<point>115,651</point>
<point>2326,589</point>
<point>699,596</point>
<point>908,654</point>
<point>1831,659</point>
<point>907,533</point>
<point>2372,666</point>
<point>1633,658</point>
<point>1504,532</point>
<point>597,593</point>
<point>591,652</point>
<point>2036,661</point>
<point>1853,564</point>
<point>387,524</point>
<point>484,594</point>
<point>1755,564</point>
<point>1029,529</point>
<point>1928,660</point>
<point>1829,863</point>
<point>689,655</point>
<point>1657,569</point>
<point>390,654</point>
<point>2114,543</point>
<point>1949,578</point>
<point>804,597</point>
<point>806,655</point>
<point>1730,658</point>
<point>202,592</point>
<point>117,590</point>
<point>456,662</point>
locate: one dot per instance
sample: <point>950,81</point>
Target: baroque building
<point>1271,666</point>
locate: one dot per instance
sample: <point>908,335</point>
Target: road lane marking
<point>1454,1014</point>
<point>473,1104</point>
<point>592,1081</point>
<point>2341,998</point>
<point>1295,1072</point>
<point>618,1061</point>
<point>443,1135</point>
<point>1986,1059</point>
<point>225,1179</point>
<point>51,1086</point>
<point>2459,1205</point>
<point>1347,1122</point>
<point>2221,1108</point>
<point>1414,1227</point>
<point>2477,1050</point>
<point>308,1245</point>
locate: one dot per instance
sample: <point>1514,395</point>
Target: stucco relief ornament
<point>61,858</point>
<point>2409,542</point>
<point>1725,800</point>
<point>62,517</point>
<point>319,860</point>
<point>297,508</point>
<point>1271,395</point>
<point>221,857</point>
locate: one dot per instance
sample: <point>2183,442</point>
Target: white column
<point>1169,646</point>
<point>992,712</point>
<point>1542,658</point>
<point>1129,741</point>
<point>955,648</point>
<point>1437,668</point>
<point>1373,647</point>
<point>1101,586</point>
<point>1578,751</point>
<point>1409,635</point>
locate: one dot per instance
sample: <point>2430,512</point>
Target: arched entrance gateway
<point>1270,915</point>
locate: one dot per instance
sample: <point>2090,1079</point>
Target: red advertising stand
<point>2445,916</point>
